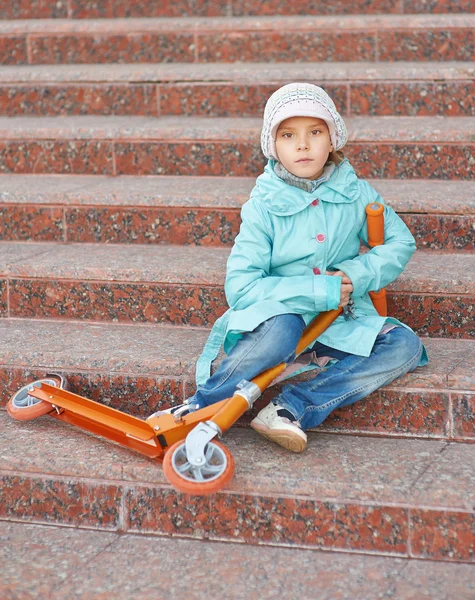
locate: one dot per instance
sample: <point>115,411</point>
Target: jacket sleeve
<point>249,279</point>
<point>382,264</point>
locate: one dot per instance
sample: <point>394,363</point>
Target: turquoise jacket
<point>284,237</point>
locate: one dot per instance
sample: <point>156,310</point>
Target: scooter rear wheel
<point>212,477</point>
<point>24,407</point>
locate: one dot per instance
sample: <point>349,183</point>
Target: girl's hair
<point>336,157</point>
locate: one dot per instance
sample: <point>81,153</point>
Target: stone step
<point>379,147</point>
<point>93,9</point>
<point>236,90</point>
<point>203,211</point>
<point>141,369</point>
<point>359,38</point>
<point>101,564</point>
<point>397,497</point>
<point>183,285</point>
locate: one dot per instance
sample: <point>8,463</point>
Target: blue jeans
<point>344,382</point>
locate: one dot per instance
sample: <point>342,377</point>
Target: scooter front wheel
<point>214,475</point>
<point>24,407</point>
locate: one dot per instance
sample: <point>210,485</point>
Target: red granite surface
<point>140,369</point>
<point>184,285</point>
<point>223,569</point>
<point>346,493</point>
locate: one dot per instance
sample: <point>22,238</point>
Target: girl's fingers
<point>344,276</point>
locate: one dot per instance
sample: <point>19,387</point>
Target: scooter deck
<point>101,420</point>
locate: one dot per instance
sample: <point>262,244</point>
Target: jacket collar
<point>283,199</point>
<point>309,185</point>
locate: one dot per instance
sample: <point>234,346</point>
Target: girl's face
<point>303,145</point>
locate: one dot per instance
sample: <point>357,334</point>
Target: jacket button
<point>320,238</point>
<point>316,270</point>
<point>315,202</point>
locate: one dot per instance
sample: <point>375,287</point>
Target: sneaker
<point>280,429</point>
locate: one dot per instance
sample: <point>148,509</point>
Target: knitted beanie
<point>300,100</point>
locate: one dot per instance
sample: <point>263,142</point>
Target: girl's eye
<point>315,131</point>
<point>287,135</point>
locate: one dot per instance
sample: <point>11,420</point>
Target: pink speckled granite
<point>55,100</point>
<point>458,377</point>
<point>436,316</point>
<point>50,500</point>
<point>201,227</point>
<point>314,7</point>
<point>228,100</point>
<point>344,492</point>
<point>164,284</point>
<point>431,44</point>
<point>138,47</point>
<point>163,264</point>
<point>334,468</point>
<point>122,302</point>
<point>78,157</point>
<point>420,161</point>
<point>233,570</point>
<point>369,23</point>
<point>443,535</point>
<point>34,9</point>
<point>450,273</point>
<point>464,412</point>
<point>278,521</point>
<point>423,580</point>
<point>394,413</point>
<point>360,129</point>
<point>438,6</point>
<point>405,196</point>
<point>48,556</point>
<point>98,364</point>
<point>13,50</point>
<point>287,46</point>
<point>412,99</point>
<point>442,232</point>
<point>145,40</point>
<point>150,192</point>
<point>87,455</point>
<point>225,100</point>
<point>223,146</point>
<point>319,7</point>
<point>137,394</point>
<point>165,128</point>
<point>251,74</point>
<point>93,9</point>
<point>448,481</point>
<point>3,298</point>
<point>152,351</point>
<point>25,223</point>
<point>239,159</point>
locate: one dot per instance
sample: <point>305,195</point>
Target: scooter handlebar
<point>374,212</point>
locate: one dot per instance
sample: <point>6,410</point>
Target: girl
<point>297,254</point>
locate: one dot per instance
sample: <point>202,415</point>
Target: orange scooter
<point>194,462</point>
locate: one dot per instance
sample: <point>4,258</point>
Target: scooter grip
<point>379,302</point>
<point>374,212</point>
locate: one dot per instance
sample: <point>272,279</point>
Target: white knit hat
<point>300,100</point>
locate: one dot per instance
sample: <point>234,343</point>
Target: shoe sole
<point>284,438</point>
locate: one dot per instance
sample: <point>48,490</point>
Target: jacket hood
<point>282,199</point>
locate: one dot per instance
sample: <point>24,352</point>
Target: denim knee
<point>282,339</point>
<point>407,346</point>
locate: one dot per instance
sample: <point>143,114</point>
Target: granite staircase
<point>129,140</point>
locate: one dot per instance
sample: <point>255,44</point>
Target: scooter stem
<point>237,405</point>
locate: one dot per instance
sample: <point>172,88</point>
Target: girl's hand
<point>346,287</point>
